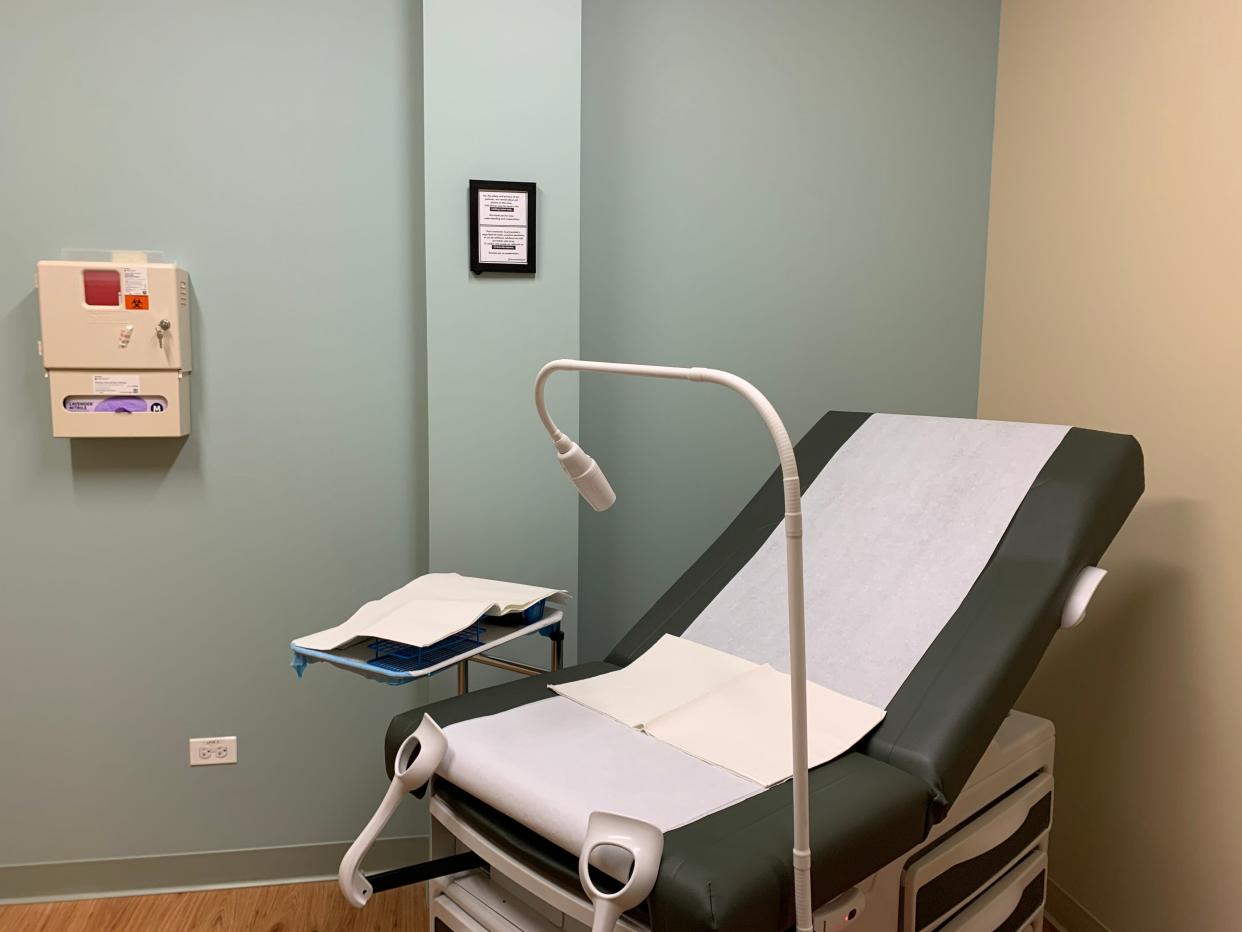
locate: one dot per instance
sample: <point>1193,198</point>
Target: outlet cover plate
<point>207,751</point>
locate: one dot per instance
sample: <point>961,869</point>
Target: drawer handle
<point>989,836</point>
<point>988,830</point>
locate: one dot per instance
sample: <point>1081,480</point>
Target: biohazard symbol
<point>137,302</point>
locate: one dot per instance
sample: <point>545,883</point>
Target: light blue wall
<point>148,590</point>
<point>794,191</point>
<point>501,103</point>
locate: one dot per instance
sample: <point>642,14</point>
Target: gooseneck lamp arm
<point>585,473</point>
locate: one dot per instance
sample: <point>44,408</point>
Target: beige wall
<point>1114,300</point>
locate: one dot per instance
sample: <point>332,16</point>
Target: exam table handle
<point>422,752</point>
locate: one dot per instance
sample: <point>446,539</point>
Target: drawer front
<point>1008,905</point>
<point>473,900</point>
<point>967,860</point>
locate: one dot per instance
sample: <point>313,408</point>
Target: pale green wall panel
<point>149,589</point>
<point>794,191</point>
<point>502,103</point>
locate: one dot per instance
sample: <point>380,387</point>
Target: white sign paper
<point>503,228</point>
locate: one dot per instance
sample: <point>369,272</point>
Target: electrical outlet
<point>204,751</point>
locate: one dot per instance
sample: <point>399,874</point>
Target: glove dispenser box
<point>116,346</point>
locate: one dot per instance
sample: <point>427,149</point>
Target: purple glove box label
<point>117,404</point>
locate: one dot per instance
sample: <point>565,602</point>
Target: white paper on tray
<point>550,764</point>
<point>429,609</point>
<point>745,725</point>
<point>670,674</point>
<point>425,621</point>
<point>505,596</point>
<point>332,638</point>
<point>897,528</point>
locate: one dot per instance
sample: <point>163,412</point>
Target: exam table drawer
<point>940,879</point>
<point>1010,904</point>
<point>471,902</point>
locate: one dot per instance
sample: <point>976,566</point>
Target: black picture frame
<point>509,268</point>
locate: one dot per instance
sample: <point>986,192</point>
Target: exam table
<point>937,820</point>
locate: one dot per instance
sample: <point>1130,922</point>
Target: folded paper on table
<point>673,672</point>
<point>745,725</point>
<point>722,709</point>
<point>429,609</point>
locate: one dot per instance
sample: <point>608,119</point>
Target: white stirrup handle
<point>422,752</point>
<point>644,843</point>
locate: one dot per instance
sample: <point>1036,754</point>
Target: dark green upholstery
<point>944,715</point>
<point>730,870</point>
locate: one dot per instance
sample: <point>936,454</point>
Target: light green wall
<point>794,191</point>
<point>502,103</point>
<point>148,590</point>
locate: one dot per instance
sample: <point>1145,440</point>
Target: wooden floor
<point>297,907</point>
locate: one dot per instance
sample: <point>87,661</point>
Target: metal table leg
<point>558,648</point>
<point>463,677</point>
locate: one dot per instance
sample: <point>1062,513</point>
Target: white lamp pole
<point>594,487</point>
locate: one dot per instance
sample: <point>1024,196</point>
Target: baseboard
<point>70,880</point>
<point>1068,915</point>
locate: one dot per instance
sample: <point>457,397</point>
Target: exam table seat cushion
<point>730,869</point>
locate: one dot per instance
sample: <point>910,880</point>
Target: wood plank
<point>301,907</point>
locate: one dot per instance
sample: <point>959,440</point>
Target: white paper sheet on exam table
<point>897,528</point>
<point>668,675</point>
<point>550,764</point>
<point>722,709</point>
<point>745,725</point>
<point>429,609</point>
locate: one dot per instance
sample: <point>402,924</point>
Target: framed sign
<point>502,226</point>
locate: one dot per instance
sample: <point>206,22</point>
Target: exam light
<point>585,473</point>
<point>592,484</point>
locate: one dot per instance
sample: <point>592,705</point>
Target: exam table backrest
<point>946,712</point>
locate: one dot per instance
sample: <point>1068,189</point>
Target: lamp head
<point>585,473</point>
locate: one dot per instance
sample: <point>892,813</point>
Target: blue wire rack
<point>402,658</point>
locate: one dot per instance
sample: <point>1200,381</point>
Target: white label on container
<point>134,279</point>
<point>115,384</point>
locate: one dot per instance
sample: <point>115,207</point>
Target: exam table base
<point>1015,773</point>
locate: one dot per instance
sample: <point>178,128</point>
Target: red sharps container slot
<point>102,287</point>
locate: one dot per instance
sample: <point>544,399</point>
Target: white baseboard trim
<point>1067,914</point>
<point>173,873</point>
